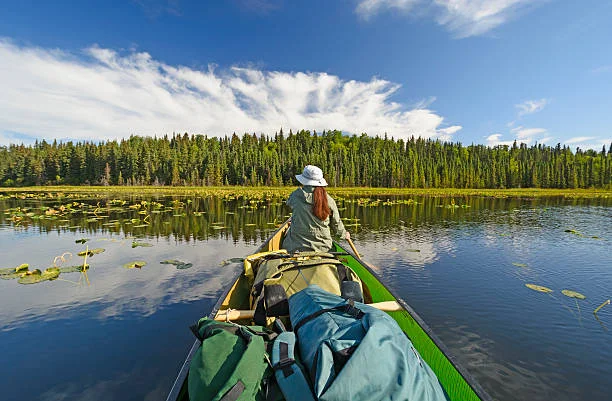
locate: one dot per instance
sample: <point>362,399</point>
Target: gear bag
<point>277,276</point>
<point>353,351</point>
<point>232,363</point>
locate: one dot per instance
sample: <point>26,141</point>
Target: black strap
<point>196,332</point>
<point>234,392</point>
<point>259,316</point>
<point>284,362</point>
<point>295,264</point>
<point>243,332</point>
<point>348,308</point>
<point>342,272</point>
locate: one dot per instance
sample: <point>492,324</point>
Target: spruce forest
<point>196,160</point>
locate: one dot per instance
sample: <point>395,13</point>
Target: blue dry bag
<point>353,351</point>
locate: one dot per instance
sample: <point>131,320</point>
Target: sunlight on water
<point>463,266</point>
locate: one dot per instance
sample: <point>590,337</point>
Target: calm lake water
<point>462,264</point>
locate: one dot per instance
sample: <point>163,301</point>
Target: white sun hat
<point>312,175</point>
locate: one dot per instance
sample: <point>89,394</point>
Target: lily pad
<point>82,240</point>
<point>92,252</point>
<point>73,269</point>
<point>413,250</point>
<point>572,294</point>
<point>519,264</point>
<point>14,270</point>
<point>232,260</point>
<point>171,262</point>
<point>539,288</point>
<point>11,276</point>
<point>184,266</point>
<point>36,276</point>
<point>138,264</point>
<point>143,244</point>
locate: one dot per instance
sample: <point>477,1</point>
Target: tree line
<point>357,160</point>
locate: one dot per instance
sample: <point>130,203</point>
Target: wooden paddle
<point>235,314</point>
<point>353,247</point>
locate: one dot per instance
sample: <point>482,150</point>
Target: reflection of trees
<point>252,220</point>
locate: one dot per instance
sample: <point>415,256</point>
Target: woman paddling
<point>314,211</point>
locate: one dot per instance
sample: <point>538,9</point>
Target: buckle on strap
<point>285,365</point>
<point>352,310</point>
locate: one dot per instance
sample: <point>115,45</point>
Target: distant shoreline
<point>342,191</point>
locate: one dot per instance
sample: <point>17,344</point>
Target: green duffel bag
<point>232,363</point>
<point>279,277</point>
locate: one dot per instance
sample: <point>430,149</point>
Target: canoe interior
<point>457,383</point>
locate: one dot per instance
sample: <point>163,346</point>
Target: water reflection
<point>461,262</point>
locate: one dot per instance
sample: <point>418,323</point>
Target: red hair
<point>320,207</point>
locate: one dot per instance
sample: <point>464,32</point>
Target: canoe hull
<point>456,381</point>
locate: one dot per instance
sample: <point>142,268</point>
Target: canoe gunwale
<point>469,379</point>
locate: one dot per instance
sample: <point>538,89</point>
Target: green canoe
<point>457,382</point>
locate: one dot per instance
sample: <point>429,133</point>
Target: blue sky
<point>473,71</point>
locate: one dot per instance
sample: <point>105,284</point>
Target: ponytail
<point>320,207</point>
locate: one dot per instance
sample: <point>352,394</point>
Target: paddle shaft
<point>235,314</point>
<point>350,241</point>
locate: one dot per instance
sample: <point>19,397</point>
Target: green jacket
<point>307,232</point>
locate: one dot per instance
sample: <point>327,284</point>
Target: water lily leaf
<point>82,240</point>
<point>138,264</point>
<point>539,288</point>
<point>91,252</point>
<point>232,260</point>
<point>519,264</point>
<point>413,250</point>
<point>143,244</point>
<point>11,270</point>
<point>11,276</point>
<point>573,232</point>
<point>73,269</point>
<point>572,294</point>
<point>171,262</point>
<point>50,274</point>
<point>31,277</point>
<point>184,266</point>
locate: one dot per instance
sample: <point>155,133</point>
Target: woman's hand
<point>347,236</point>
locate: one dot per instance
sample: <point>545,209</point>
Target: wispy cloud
<point>463,18</point>
<point>579,139</point>
<point>107,95</point>
<point>369,8</point>
<point>588,142</point>
<point>528,136</point>
<point>155,8</point>
<point>259,6</point>
<point>602,69</point>
<point>531,106</point>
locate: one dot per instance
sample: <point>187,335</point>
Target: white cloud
<point>578,139</point>
<point>495,140</point>
<point>602,69</point>
<point>528,136</point>
<point>107,95</point>
<point>369,8</point>
<point>531,106</point>
<point>588,142</point>
<point>463,18</point>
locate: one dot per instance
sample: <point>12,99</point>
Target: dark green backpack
<point>232,363</point>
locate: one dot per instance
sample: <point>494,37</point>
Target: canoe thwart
<point>236,314</point>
